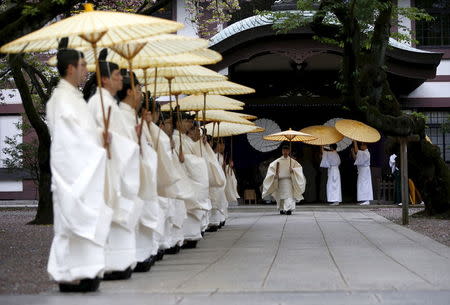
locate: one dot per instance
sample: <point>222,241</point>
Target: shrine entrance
<point>295,80</point>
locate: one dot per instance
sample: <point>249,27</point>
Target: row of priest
<point>127,186</point>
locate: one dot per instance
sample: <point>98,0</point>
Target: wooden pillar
<point>404,179</point>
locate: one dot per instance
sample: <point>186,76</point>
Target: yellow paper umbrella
<point>182,74</point>
<point>230,129</point>
<point>102,28</point>
<point>358,131</point>
<point>196,105</point>
<point>257,129</point>
<point>145,48</point>
<point>222,87</point>
<point>247,116</point>
<point>219,116</point>
<point>325,135</point>
<point>291,136</point>
<point>199,99</point>
<point>196,57</point>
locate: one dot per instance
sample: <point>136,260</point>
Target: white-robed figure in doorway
<point>285,182</point>
<point>364,182</point>
<point>77,159</point>
<point>122,179</point>
<point>331,161</point>
<point>150,227</point>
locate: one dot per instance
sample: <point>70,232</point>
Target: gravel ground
<point>24,253</point>
<point>437,229</point>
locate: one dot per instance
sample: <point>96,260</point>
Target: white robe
<point>150,227</point>
<point>173,189</point>
<point>219,213</point>
<point>289,187</point>
<point>122,184</point>
<point>216,178</point>
<point>231,186</point>
<point>364,182</point>
<point>331,160</point>
<point>197,173</point>
<point>77,160</point>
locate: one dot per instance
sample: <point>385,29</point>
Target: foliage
<point>365,11</point>
<point>21,154</point>
<point>208,15</point>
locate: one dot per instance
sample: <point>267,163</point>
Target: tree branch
<point>44,97</point>
<point>14,24</point>
<point>44,80</point>
<point>15,62</point>
<point>154,8</point>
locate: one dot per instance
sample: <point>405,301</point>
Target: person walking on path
<point>285,182</point>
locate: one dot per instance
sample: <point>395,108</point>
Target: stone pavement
<point>327,256</point>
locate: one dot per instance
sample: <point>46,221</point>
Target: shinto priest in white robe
<point>231,191</point>
<point>197,171</point>
<point>331,160</point>
<point>289,186</point>
<point>364,182</point>
<point>217,181</point>
<point>150,226</point>
<point>81,217</point>
<point>173,188</point>
<point>220,213</point>
<point>122,182</point>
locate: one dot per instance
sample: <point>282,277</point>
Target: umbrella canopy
<point>145,49</point>
<point>184,74</point>
<point>199,98</point>
<point>358,131</point>
<point>325,135</point>
<point>222,116</point>
<point>257,130</point>
<point>230,129</point>
<point>196,57</point>
<point>197,105</point>
<point>103,28</point>
<point>289,135</point>
<point>247,116</point>
<point>221,87</point>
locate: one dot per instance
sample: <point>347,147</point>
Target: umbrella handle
<point>99,85</point>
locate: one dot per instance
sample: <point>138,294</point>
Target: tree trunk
<point>45,207</point>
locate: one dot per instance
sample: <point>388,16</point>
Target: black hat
<point>106,67</point>
<point>187,116</point>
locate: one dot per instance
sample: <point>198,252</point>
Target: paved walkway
<point>331,256</point>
